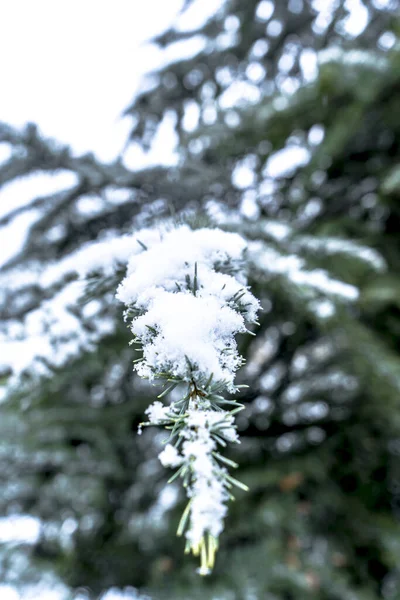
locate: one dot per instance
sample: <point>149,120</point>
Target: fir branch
<point>192,342</point>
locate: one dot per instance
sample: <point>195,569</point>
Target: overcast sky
<point>73,66</point>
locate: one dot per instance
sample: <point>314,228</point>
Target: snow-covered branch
<point>186,299</point>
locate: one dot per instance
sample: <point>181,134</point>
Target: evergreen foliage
<point>289,133</point>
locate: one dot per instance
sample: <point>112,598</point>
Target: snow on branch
<point>268,260</point>
<point>186,299</point>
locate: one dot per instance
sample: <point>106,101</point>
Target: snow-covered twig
<point>186,299</point>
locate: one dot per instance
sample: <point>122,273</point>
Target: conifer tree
<point>288,124</point>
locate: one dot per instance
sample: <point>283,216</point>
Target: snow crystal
<point>188,328</point>
<point>208,492</point>
<point>174,257</point>
<point>208,418</point>
<point>208,508</point>
<point>188,314</point>
<point>157,412</point>
<point>170,457</point>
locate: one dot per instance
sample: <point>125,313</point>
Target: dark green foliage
<point>321,429</point>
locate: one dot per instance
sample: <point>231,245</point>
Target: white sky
<point>72,66</point>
